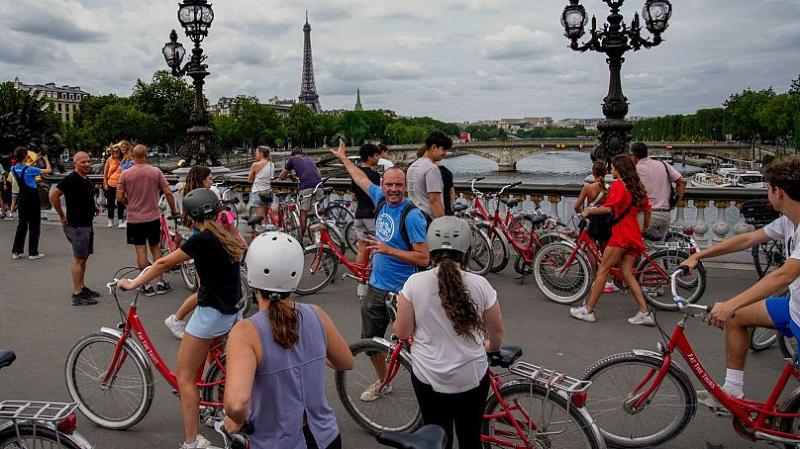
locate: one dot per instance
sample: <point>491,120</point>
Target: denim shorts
<point>257,201</point>
<point>208,322</point>
<point>778,309</point>
<point>82,240</point>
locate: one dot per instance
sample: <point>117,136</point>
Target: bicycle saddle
<point>327,190</point>
<point>537,219</point>
<point>254,220</point>
<point>460,207</point>
<point>7,358</point>
<point>505,356</point>
<point>427,437</point>
<point>511,203</point>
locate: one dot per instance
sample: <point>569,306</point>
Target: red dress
<point>626,233</point>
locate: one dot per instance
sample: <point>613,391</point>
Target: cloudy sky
<point>451,59</point>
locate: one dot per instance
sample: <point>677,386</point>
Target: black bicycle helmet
<point>201,203</point>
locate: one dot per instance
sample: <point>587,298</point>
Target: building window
<point>59,107</point>
<point>67,117</point>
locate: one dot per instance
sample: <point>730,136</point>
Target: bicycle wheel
<point>480,256</point>
<point>664,416</point>
<point>35,437</point>
<point>319,268</point>
<point>291,223</point>
<point>125,400</point>
<point>500,250</point>
<point>214,393</point>
<point>247,303</point>
<point>350,237</point>
<point>339,215</point>
<point>396,410</point>
<point>767,256</point>
<point>762,338</point>
<point>788,346</point>
<point>189,275</point>
<point>655,285</point>
<point>547,418</point>
<point>557,281</point>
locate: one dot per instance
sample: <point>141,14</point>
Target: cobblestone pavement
<point>37,321</point>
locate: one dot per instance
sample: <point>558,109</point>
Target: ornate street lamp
<point>614,39</point>
<point>195,17</point>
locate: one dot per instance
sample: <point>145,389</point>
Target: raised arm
<point>358,176</point>
<point>739,243</point>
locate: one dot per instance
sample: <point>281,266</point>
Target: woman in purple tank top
<point>276,359</point>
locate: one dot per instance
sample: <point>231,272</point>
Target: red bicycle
<point>564,273</point>
<point>536,408</point>
<point>323,257</point>
<point>644,398</point>
<point>110,373</point>
<point>171,240</point>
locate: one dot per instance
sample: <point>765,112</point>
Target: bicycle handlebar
<point>682,304</point>
<point>508,186</point>
<point>113,284</point>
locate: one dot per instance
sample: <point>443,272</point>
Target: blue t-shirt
<point>389,273</point>
<point>30,174</point>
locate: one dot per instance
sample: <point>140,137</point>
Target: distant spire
<point>358,107</point>
<point>306,17</point>
<point>308,88</point>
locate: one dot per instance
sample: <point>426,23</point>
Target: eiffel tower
<point>308,88</point>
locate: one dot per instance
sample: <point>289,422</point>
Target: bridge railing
<point>713,214</point>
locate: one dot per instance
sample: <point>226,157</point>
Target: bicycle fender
<point>75,437</point>
<point>135,348</point>
<point>659,357</point>
<point>388,344</point>
<point>790,400</point>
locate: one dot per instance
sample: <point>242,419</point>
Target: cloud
<point>59,21</point>
<point>516,42</point>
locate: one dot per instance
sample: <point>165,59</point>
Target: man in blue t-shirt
<point>30,208</point>
<point>393,260</point>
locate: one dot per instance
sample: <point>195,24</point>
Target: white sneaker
<point>110,223</point>
<point>199,443</point>
<point>582,314</point>
<point>645,319</point>
<point>176,326</point>
<point>15,256</point>
<point>38,256</point>
<point>372,393</point>
<point>707,399</point>
<point>123,224</point>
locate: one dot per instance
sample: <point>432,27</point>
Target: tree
<point>301,125</point>
<point>26,119</point>
<point>171,100</point>
<point>742,108</point>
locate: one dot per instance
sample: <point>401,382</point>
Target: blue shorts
<point>778,309</point>
<point>208,322</point>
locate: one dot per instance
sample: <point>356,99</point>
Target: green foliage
<point>484,132</point>
<point>554,132</point>
<point>25,119</point>
<point>170,100</point>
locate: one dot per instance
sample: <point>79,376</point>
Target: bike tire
<point>788,346</point>
<point>350,237</point>
<point>790,425</point>
<point>26,435</point>
<point>339,215</point>
<point>500,249</point>
<point>138,384</point>
<point>247,303</point>
<point>480,256</point>
<point>567,426</point>
<point>522,267</point>
<point>324,270</point>
<point>767,256</point>
<point>624,372</point>
<point>215,393</point>
<point>401,402</point>
<point>189,275</point>
<point>762,338</point>
<point>567,288</point>
<point>691,287</point>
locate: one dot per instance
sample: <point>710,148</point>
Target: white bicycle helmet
<point>449,233</point>
<point>274,262</point>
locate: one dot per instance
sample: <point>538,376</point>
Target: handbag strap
<point>616,220</point>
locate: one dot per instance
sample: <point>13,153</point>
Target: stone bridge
<point>507,154</point>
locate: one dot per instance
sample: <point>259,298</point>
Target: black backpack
<point>403,215</point>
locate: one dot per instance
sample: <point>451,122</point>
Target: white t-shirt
<point>439,357</point>
<point>785,231</point>
<point>385,164</point>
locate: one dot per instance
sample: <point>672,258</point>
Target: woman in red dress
<point>626,194</point>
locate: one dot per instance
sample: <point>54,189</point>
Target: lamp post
<point>195,17</point>
<point>614,39</point>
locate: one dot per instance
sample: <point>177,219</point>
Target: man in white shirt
<point>657,176</point>
<point>749,307</point>
<point>424,179</point>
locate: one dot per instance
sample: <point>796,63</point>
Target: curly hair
<point>630,177</point>
<point>784,174</point>
<point>455,297</point>
<point>195,178</point>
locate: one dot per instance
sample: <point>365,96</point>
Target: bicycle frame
<point>752,414</point>
<point>172,239</point>
<point>134,328</point>
<point>359,270</point>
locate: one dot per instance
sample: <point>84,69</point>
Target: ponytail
<point>455,297</point>
<point>283,319</point>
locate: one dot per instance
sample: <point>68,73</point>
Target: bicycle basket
<point>759,212</point>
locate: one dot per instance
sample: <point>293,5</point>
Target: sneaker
<point>162,288</point>
<point>372,393</point>
<point>199,443</point>
<point>122,225</point>
<point>645,319</point>
<point>176,326</point>
<point>36,256</point>
<point>90,292</point>
<point>83,299</point>
<point>707,399</point>
<point>16,256</point>
<point>582,314</point>
<point>147,290</point>
<point>110,223</point>
<point>610,288</point>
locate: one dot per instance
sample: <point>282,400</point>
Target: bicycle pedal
<point>720,411</point>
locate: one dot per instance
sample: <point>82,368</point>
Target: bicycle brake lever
<point>111,285</point>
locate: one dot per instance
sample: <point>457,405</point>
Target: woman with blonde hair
<point>216,256</point>
<point>112,169</point>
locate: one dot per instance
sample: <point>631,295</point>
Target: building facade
<point>65,100</point>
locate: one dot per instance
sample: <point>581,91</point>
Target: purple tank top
<point>289,382</point>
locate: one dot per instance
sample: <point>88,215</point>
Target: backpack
<point>403,215</point>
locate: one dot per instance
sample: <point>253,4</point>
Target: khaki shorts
<point>305,200</point>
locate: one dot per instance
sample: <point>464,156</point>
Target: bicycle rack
<point>36,410</point>
<point>549,378</point>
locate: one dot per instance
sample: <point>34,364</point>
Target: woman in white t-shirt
<point>455,320</point>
